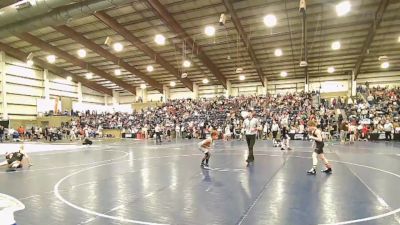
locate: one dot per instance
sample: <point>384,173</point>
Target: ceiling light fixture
<point>69,78</point>
<point>398,40</point>
<point>270,20</point>
<point>205,81</point>
<point>331,69</point>
<point>186,63</point>
<point>335,45</point>
<point>29,62</point>
<point>51,59</point>
<point>143,86</point>
<point>159,39</point>
<point>118,47</point>
<point>278,52</point>
<point>82,53</point>
<point>385,65</point>
<point>89,76</point>
<point>172,84</point>
<point>24,4</point>
<point>149,68</point>
<point>108,41</point>
<point>343,8</point>
<point>117,72</point>
<point>283,74</point>
<point>242,77</point>
<point>209,30</point>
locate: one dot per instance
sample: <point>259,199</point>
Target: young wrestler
<point>205,147</point>
<point>318,145</point>
<point>285,139</point>
<point>14,159</point>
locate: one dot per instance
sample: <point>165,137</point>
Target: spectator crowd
<point>376,110</point>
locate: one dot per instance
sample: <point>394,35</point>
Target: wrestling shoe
<point>327,170</point>
<point>283,149</point>
<point>312,171</point>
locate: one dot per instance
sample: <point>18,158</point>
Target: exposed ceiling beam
<point>77,62</point>
<point>20,55</point>
<point>169,21</point>
<point>370,37</point>
<point>113,24</point>
<point>305,40</point>
<point>69,32</point>
<point>245,39</point>
<point>5,3</point>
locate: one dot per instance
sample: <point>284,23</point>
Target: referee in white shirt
<point>251,125</point>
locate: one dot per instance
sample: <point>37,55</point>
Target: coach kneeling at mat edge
<point>251,124</point>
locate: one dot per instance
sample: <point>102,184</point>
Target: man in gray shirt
<point>251,125</point>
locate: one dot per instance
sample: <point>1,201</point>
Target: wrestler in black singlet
<point>15,156</point>
<point>319,145</point>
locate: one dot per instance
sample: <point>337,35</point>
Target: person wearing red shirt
<point>364,132</point>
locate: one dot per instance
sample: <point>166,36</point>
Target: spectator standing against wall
<point>1,133</point>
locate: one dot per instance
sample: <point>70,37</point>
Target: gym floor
<point>138,182</point>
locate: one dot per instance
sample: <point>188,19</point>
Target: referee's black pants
<point>251,140</point>
<point>388,135</point>
<point>158,137</point>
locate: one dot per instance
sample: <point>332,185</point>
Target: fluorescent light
<point>385,65</point>
<point>81,53</point>
<point>69,78</point>
<point>29,62</point>
<point>336,45</point>
<point>172,84</point>
<point>89,76</point>
<point>118,47</point>
<point>117,72</point>
<point>186,63</point>
<point>51,59</point>
<point>242,77</point>
<point>159,39</point>
<point>30,56</point>
<point>270,20</point>
<point>24,4</point>
<point>209,30</point>
<point>331,69</point>
<point>143,86</point>
<point>149,68</point>
<point>278,52</point>
<point>343,8</point>
<point>205,81</point>
<point>283,74</point>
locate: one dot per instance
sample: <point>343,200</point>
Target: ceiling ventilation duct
<point>49,16</point>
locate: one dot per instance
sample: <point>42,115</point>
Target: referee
<point>251,125</point>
